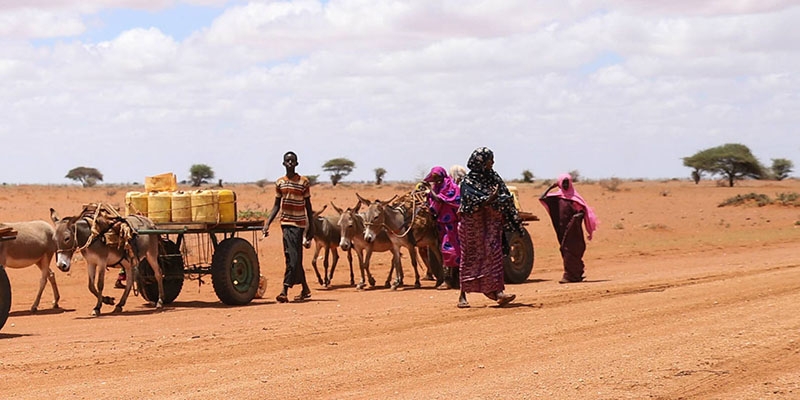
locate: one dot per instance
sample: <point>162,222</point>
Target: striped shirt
<point>293,193</point>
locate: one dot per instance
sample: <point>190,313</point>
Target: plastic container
<point>227,205</point>
<point>181,207</point>
<point>166,182</point>
<point>136,203</point>
<point>205,206</point>
<point>515,195</point>
<point>159,206</point>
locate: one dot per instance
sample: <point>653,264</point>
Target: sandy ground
<point>684,300</point>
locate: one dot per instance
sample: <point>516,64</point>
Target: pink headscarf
<point>590,219</point>
<point>446,189</point>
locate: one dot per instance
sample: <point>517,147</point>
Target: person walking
<point>567,210</point>
<point>487,211</point>
<point>444,198</point>
<point>293,201</point>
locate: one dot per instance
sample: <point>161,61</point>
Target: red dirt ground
<point>684,300</point>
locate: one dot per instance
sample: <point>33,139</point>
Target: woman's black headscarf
<point>480,183</point>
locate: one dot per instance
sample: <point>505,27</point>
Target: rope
<point>413,197</point>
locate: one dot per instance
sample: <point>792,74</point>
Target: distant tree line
<point>733,161</point>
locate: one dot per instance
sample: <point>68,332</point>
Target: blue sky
<point>178,21</point>
<point>611,88</point>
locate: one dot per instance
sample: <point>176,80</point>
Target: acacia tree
<point>339,168</point>
<point>200,174</point>
<point>732,161</point>
<point>527,176</point>
<point>379,173</point>
<point>781,168</point>
<point>575,175</point>
<point>87,176</point>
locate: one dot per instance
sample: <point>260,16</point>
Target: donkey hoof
<point>117,309</point>
<point>417,285</point>
<point>34,309</point>
<point>360,286</point>
<point>96,312</point>
<point>159,305</point>
<point>108,300</point>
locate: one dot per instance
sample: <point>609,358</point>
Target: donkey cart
<point>5,286</point>
<point>196,249</point>
<point>518,263</point>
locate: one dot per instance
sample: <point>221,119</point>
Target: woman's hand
<point>492,197</point>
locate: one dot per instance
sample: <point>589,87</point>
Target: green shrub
<point>788,199</point>
<point>760,199</point>
<point>248,215</point>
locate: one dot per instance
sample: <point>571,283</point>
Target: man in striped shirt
<point>293,201</point>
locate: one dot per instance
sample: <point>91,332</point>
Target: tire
<point>5,296</point>
<point>171,261</point>
<point>235,272</point>
<point>518,264</point>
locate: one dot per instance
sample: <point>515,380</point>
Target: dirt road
<point>678,305</point>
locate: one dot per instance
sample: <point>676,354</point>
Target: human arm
<point>310,228</point>
<point>272,214</point>
<point>551,187</point>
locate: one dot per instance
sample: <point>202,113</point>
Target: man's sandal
<point>302,297</point>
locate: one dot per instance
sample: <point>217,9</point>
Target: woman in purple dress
<point>487,211</point>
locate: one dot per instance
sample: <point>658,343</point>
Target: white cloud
<point>626,90</point>
<point>27,23</point>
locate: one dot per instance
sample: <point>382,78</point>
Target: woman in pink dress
<point>444,199</point>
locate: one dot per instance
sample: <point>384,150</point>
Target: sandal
<point>282,298</point>
<point>302,296</point>
<point>462,304</point>
<point>505,299</point>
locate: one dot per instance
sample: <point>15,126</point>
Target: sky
<point>608,88</point>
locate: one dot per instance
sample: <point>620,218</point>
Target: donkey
<point>74,233</point>
<point>35,244</point>
<point>351,226</point>
<point>327,235</point>
<point>424,230</point>
<point>381,218</point>
<point>400,221</point>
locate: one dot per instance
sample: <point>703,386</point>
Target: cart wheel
<point>5,296</point>
<point>171,262</point>
<point>519,262</point>
<point>235,272</point>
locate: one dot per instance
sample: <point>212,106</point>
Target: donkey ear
<point>361,199</point>
<point>53,215</point>
<point>338,210</point>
